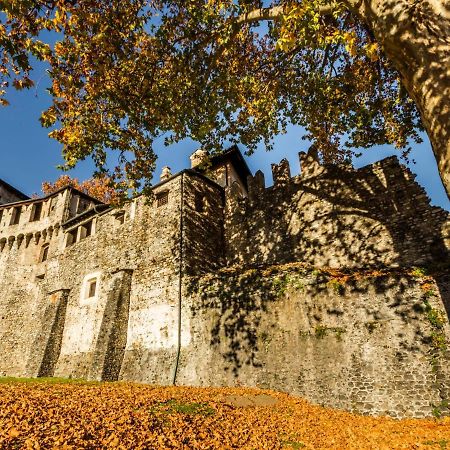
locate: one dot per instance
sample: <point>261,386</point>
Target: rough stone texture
<point>94,292</point>
<point>365,345</point>
<point>337,217</point>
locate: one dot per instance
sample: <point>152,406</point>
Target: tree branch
<point>275,13</point>
<point>256,15</point>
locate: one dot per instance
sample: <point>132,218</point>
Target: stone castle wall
<point>370,343</point>
<point>51,326</point>
<point>187,286</point>
<point>336,217</point>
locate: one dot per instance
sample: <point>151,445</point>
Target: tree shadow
<point>335,216</point>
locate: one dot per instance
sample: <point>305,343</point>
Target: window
<point>36,212</point>
<point>91,288</point>
<point>52,205</point>
<point>1,215</point>
<point>200,202</point>
<point>119,218</point>
<point>85,230</point>
<point>44,253</point>
<point>15,217</point>
<point>83,205</point>
<point>162,198</point>
<point>71,237</point>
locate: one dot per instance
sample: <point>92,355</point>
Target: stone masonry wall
<point>336,217</point>
<point>189,286</point>
<point>51,326</point>
<point>372,343</point>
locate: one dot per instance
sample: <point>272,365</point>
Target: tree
<point>98,188</point>
<point>354,73</point>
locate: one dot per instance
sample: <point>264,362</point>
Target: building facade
<point>217,279</point>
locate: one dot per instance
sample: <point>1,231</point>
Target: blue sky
<point>29,157</point>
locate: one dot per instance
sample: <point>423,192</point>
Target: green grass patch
<point>45,380</point>
<point>174,406</point>
<point>442,444</point>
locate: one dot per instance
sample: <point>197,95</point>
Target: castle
<point>312,286</point>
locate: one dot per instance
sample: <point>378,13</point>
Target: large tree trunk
<point>415,36</point>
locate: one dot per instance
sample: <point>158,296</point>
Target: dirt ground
<point>55,415</point>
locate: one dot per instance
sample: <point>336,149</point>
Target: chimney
<point>198,157</point>
<point>165,173</point>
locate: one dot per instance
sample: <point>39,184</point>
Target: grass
<point>175,406</point>
<point>46,380</point>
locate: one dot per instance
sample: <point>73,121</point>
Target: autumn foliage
<point>98,188</point>
<point>124,73</point>
<point>38,416</point>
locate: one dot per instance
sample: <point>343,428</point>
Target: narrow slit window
<point>200,202</point>
<point>162,198</point>
<point>36,212</point>
<point>44,253</point>
<point>52,205</point>
<point>1,215</point>
<point>15,218</point>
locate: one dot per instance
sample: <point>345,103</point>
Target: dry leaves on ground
<point>41,416</point>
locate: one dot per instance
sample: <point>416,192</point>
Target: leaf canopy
<point>125,72</point>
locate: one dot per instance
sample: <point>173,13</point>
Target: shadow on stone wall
<point>401,206</point>
<point>377,216</point>
<point>249,310</point>
<point>54,341</point>
<point>243,298</point>
<point>112,338</point>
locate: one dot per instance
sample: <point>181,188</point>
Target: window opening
<point>120,218</point>
<point>86,230</point>
<point>71,237</point>
<point>200,202</point>
<point>91,288</point>
<point>36,212</point>
<point>44,253</point>
<point>162,198</point>
<point>1,215</point>
<point>82,205</point>
<point>15,218</point>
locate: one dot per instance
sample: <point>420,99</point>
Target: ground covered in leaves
<point>55,415</point>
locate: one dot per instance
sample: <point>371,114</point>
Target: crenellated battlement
<point>335,215</point>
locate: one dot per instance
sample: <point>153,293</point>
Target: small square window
<point>91,288</point>
<point>162,198</point>
<point>119,218</point>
